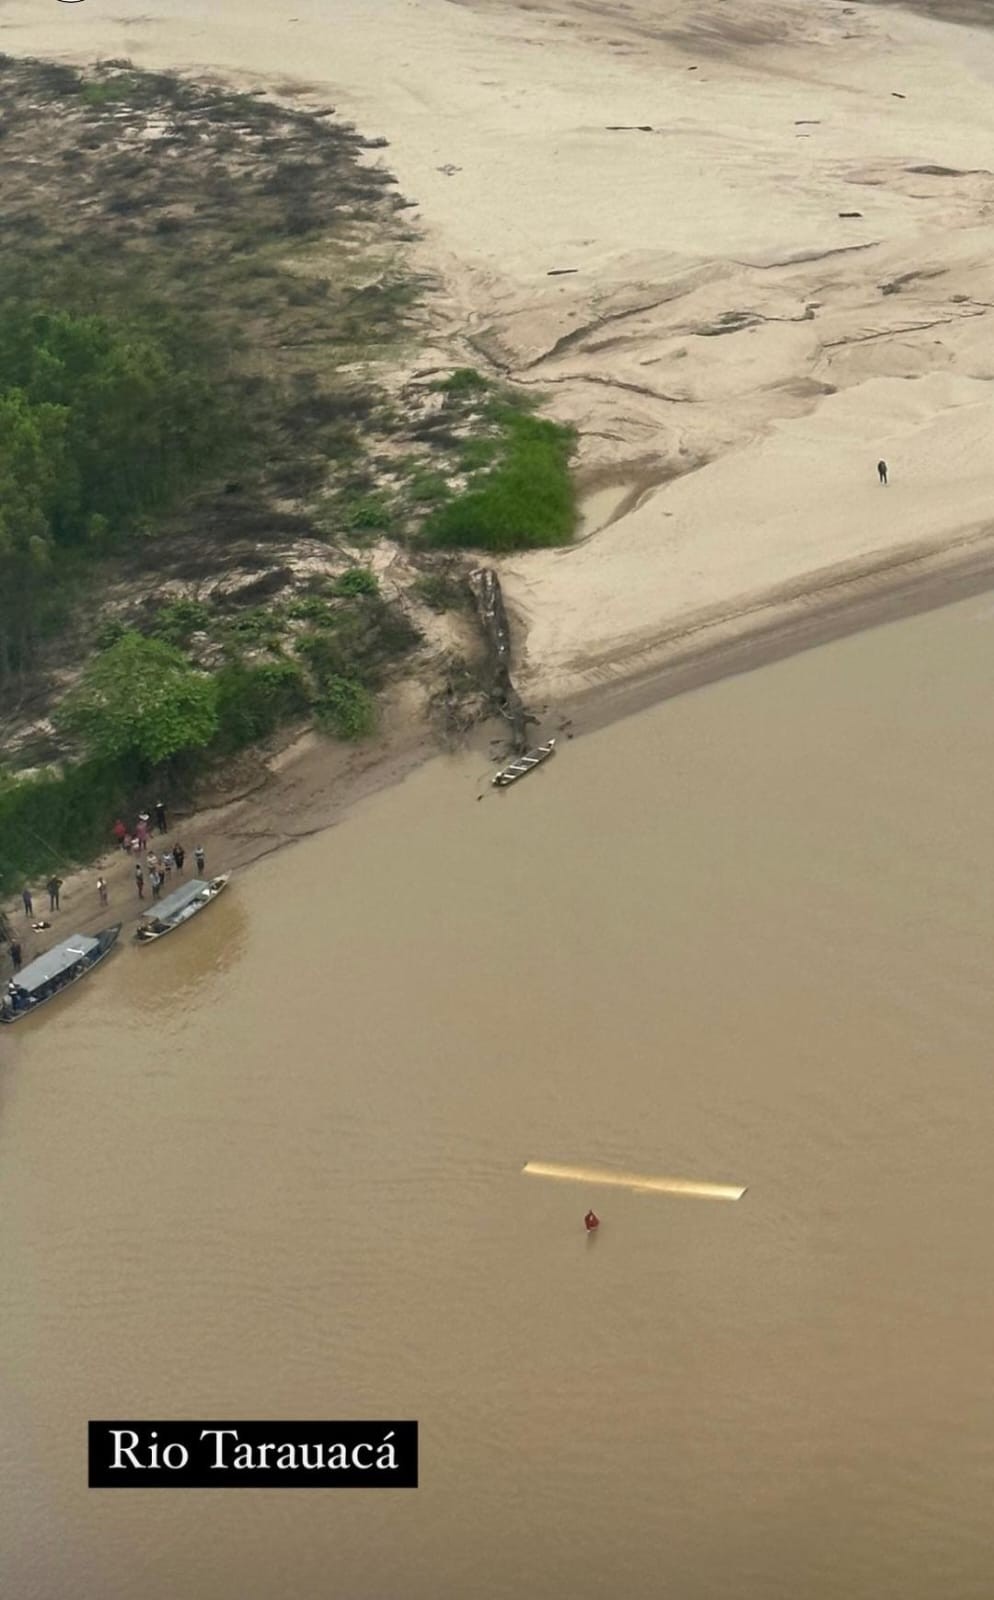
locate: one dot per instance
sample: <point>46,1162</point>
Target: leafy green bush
<point>109,633</point>
<point>253,701</point>
<point>176,621</point>
<point>368,511</point>
<point>57,819</point>
<point>463,381</point>
<point>100,421</point>
<point>141,701</point>
<point>358,580</point>
<point>310,608</point>
<point>527,499</point>
<point>262,625</point>
<point>346,708</point>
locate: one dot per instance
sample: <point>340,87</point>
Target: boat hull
<point>523,765</point>
<point>150,935</point>
<point>106,938</point>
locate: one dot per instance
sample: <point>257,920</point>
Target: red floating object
<point>591,1221</point>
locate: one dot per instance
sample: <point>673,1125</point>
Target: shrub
<point>347,708</point>
<point>463,381</point>
<point>253,701</point>
<point>526,499</point>
<point>176,621</point>
<point>367,511</point>
<point>310,608</point>
<point>358,580</point>
<point>141,701</point>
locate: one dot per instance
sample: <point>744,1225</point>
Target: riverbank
<point>268,802</point>
<point>741,259</point>
<point>741,256</point>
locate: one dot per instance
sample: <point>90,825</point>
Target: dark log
<point>485,586</point>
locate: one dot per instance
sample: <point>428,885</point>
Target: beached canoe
<point>524,764</point>
<point>179,907</point>
<point>58,969</point>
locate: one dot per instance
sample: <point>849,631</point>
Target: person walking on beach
<point>179,855</point>
<point>160,816</point>
<point>29,905</point>
<point>53,886</point>
<point>102,890</point>
<point>198,856</point>
<point>142,830</point>
<point>882,472</point>
<point>120,833</point>
<point>156,877</point>
<point>15,954</point>
<point>167,864</point>
<point>139,880</point>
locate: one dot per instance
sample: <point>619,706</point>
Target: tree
<point>141,699</point>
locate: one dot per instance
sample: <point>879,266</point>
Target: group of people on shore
<point>151,867</point>
<point>159,868</point>
<point>136,839</point>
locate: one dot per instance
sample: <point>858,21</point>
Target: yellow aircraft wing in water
<point>637,1183</point>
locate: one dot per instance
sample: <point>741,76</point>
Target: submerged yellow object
<point>638,1183</point>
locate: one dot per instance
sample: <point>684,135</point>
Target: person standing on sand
<point>139,880</point>
<point>29,905</point>
<point>198,856</point>
<point>160,816</point>
<point>179,855</point>
<point>120,833</point>
<point>882,472</point>
<point>141,830</point>
<point>54,886</point>
<point>102,890</point>
<point>15,954</point>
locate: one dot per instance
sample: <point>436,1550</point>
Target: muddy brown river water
<point>272,1168</point>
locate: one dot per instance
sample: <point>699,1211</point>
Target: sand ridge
<point>732,348</point>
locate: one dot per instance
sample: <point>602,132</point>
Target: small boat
<point>179,907</point>
<point>523,764</point>
<point>56,970</point>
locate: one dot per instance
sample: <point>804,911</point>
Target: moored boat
<point>59,968</point>
<point>524,764</point>
<point>179,907</point>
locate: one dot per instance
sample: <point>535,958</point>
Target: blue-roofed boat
<point>179,907</point>
<point>55,971</point>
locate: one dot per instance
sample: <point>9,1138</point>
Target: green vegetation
<point>141,701</point>
<point>252,702</point>
<point>181,422</point>
<point>99,422</point>
<point>526,499</point>
<point>177,621</point>
<point>463,381</point>
<point>346,708</point>
<point>358,580</point>
<point>48,820</point>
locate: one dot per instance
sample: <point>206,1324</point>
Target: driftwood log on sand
<point>485,586</point>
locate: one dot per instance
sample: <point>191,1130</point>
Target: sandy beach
<point>743,249</point>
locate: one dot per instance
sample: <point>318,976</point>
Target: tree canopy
<point>98,422</point>
<point>141,698</point>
